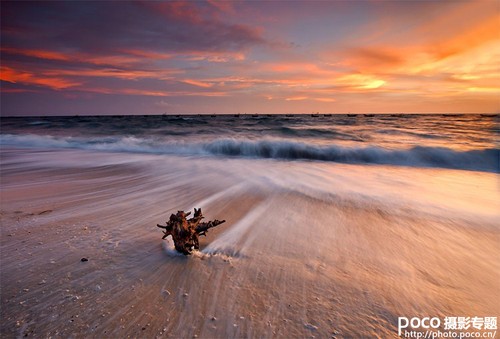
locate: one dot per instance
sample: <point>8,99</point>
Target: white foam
<point>418,156</point>
<point>169,248</point>
<point>230,242</point>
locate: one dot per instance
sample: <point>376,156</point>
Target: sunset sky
<point>67,58</point>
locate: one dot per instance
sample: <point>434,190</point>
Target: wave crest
<point>420,156</point>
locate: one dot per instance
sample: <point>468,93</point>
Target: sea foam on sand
<point>308,248</point>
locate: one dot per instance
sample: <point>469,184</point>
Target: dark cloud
<point>110,27</point>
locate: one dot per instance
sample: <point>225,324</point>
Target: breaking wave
<point>419,156</point>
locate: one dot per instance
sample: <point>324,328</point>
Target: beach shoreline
<point>289,262</point>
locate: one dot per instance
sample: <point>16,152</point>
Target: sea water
<point>461,142</point>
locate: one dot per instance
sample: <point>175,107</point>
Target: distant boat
<point>369,115</point>
<point>269,115</point>
<point>352,115</point>
<point>255,115</point>
<point>236,115</point>
<point>315,115</point>
<point>213,115</point>
<point>327,115</point>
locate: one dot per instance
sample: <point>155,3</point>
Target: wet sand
<point>304,251</point>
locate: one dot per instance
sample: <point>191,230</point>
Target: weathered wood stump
<point>185,232</point>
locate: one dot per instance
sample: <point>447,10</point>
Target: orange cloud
<point>325,99</point>
<point>484,89</point>
<point>430,47</point>
<point>484,32</point>
<point>197,83</point>
<point>109,60</point>
<point>14,76</point>
<point>211,56</point>
<point>454,61</point>
<point>148,54</point>
<point>36,53</point>
<point>360,81</point>
<point>294,67</point>
<point>115,73</point>
<point>125,58</point>
<point>373,58</point>
<point>154,93</point>
<point>297,98</point>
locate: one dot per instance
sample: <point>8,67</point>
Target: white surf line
<point>169,247</point>
<point>230,241</point>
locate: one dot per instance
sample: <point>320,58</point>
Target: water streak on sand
<point>237,239</point>
<point>230,191</point>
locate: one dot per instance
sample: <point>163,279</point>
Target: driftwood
<point>185,232</point>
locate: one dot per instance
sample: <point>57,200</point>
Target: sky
<point>208,57</point>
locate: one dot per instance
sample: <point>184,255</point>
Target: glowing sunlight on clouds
<point>360,81</point>
<point>253,56</point>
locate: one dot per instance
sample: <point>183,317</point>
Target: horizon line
<point>249,114</point>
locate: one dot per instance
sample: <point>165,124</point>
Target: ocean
<point>336,225</point>
<point>442,141</point>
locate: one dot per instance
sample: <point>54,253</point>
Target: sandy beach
<point>293,259</point>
